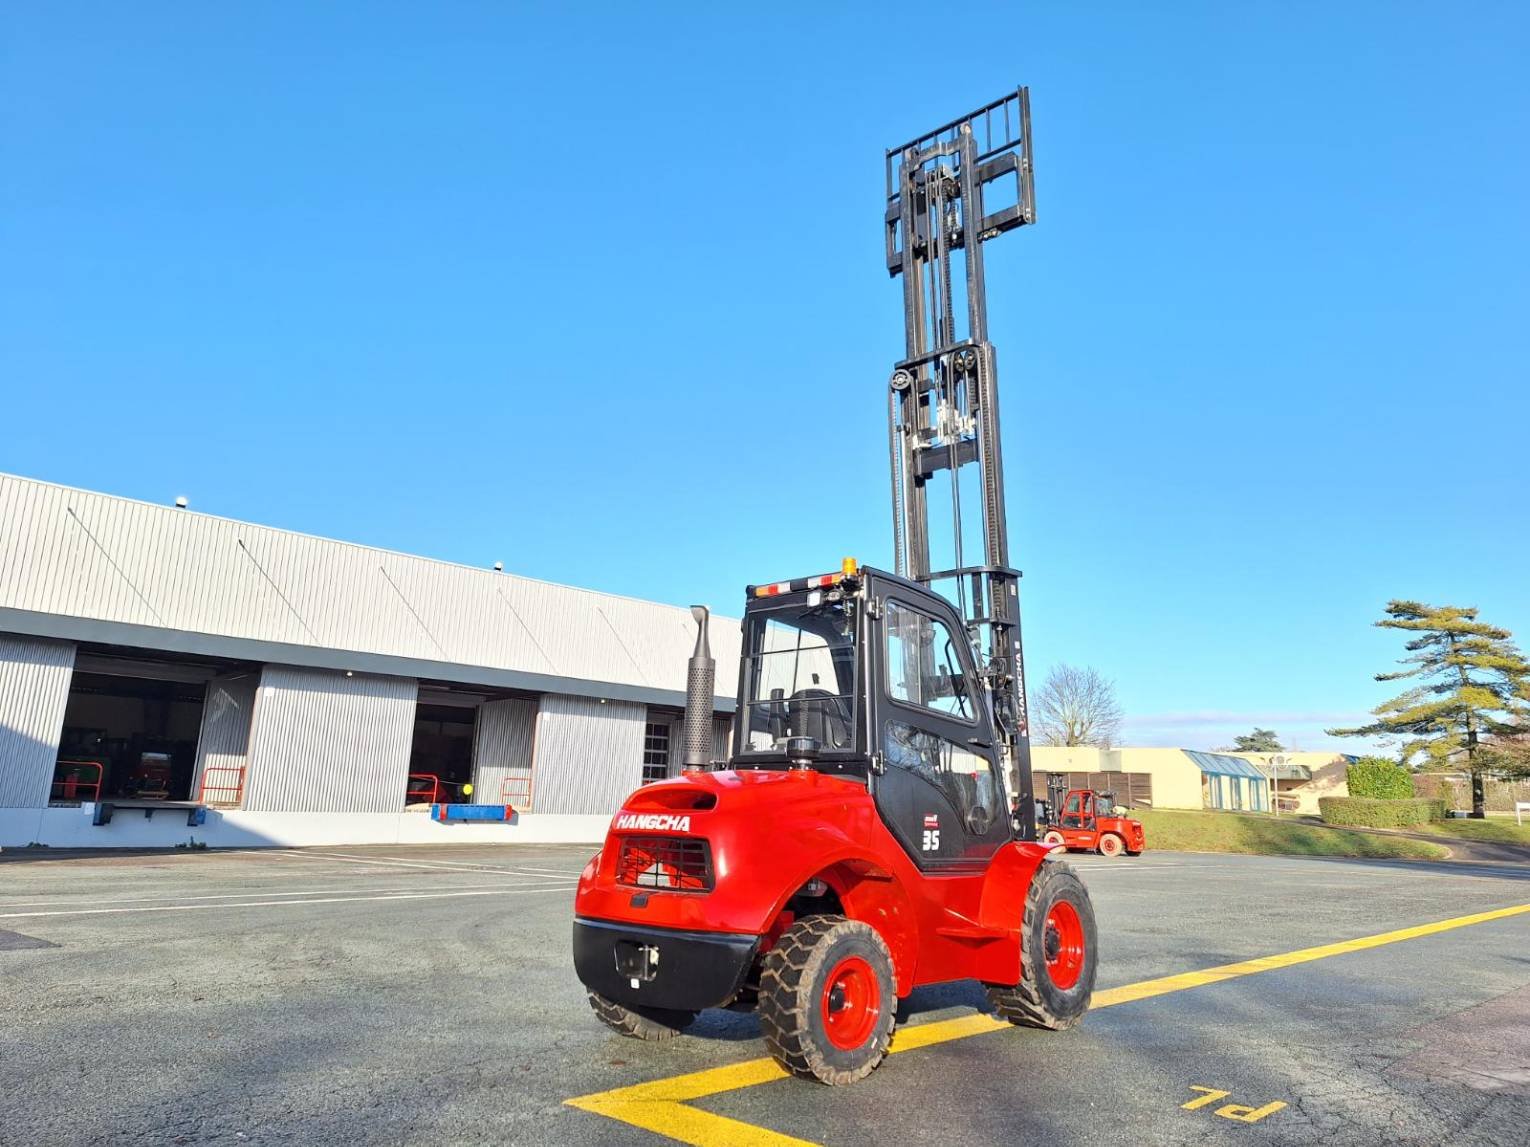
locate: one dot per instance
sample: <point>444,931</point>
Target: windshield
<point>799,677</point>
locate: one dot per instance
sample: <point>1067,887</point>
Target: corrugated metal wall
<point>589,755</point>
<point>223,744</point>
<point>502,750</point>
<point>82,554</point>
<point>722,742</point>
<point>722,738</point>
<point>34,689</point>
<point>325,742</point>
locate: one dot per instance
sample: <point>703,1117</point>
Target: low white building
<point>1191,779</point>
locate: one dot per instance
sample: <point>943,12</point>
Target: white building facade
<point>238,685</point>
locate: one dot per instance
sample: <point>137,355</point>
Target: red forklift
<point>1086,820</point>
<point>858,843</point>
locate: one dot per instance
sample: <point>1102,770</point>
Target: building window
<point>655,752</point>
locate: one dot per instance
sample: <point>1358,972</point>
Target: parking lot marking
<point>1209,1095</point>
<point>399,862</point>
<point>1134,866</point>
<point>261,892</point>
<point>563,872</point>
<point>291,903</point>
<point>417,863</point>
<point>1166,984</point>
<point>1242,1112</point>
<point>1246,1114</point>
<point>662,1106</point>
<point>385,861</point>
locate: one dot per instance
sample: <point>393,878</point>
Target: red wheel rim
<point>851,1003</point>
<point>1111,846</point>
<point>1062,943</point>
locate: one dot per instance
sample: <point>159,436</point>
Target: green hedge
<point>1367,813</point>
<point>1379,779</point>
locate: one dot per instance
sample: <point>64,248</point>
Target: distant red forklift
<point>1089,820</point>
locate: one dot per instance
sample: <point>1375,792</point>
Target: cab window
<point>966,777</point>
<point>800,662</point>
<point>923,665</point>
<point>1073,813</point>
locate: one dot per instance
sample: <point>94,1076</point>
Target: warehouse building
<point>168,676</point>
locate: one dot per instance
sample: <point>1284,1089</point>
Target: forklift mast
<point>949,192</point>
<point>1057,791</point>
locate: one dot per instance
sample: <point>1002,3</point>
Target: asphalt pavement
<point>425,995</point>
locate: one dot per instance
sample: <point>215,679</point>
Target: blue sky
<point>598,292</point>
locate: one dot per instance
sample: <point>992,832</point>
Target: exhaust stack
<point>700,676</point>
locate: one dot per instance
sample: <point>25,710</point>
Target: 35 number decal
<point>931,840</point>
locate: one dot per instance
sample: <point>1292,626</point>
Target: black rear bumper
<point>661,967</point>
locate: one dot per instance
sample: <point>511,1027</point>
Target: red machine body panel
<point>771,832</point>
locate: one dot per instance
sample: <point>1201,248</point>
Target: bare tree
<point>1076,707</point>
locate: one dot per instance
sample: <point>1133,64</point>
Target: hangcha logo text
<point>654,821</point>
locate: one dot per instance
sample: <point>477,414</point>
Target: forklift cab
<point>1078,811</point>
<point>866,674</point>
<point>1082,810</point>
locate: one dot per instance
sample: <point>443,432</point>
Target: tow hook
<point>638,963</point>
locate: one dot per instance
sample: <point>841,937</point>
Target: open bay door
<point>223,744</point>
<point>502,753</point>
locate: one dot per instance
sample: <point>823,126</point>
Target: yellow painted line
<point>662,1105</point>
<point>1162,987</point>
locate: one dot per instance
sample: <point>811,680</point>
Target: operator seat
<point>819,714</point>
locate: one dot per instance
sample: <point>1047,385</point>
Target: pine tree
<point>1473,690</point>
<point>1259,741</point>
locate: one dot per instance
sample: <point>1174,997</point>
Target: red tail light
<point>674,863</point>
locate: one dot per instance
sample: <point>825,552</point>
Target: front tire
<point>1054,837</point>
<point>1058,953</point>
<point>828,1000</point>
<point>640,1023</point>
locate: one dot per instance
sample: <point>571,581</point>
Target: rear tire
<point>1053,837</point>
<point>641,1023</point>
<point>1057,953</point>
<point>1111,845</point>
<point>828,1000</point>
